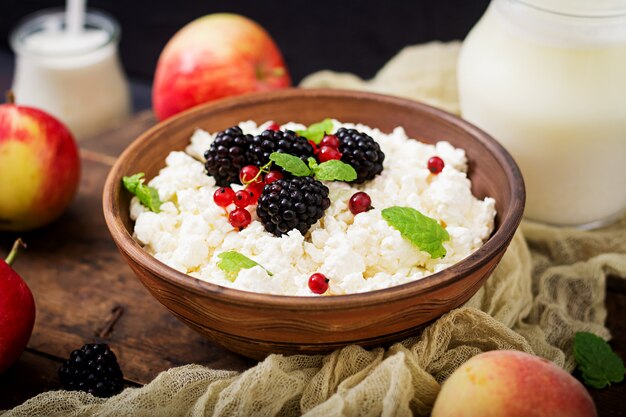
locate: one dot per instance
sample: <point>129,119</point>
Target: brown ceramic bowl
<point>255,324</point>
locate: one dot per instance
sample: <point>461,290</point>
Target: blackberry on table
<point>292,203</point>
<point>286,141</point>
<point>93,369</point>
<point>362,152</point>
<point>227,155</point>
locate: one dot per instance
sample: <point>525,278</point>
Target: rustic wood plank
<point>30,375</point>
<point>114,141</point>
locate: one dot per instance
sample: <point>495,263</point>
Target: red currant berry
<point>326,153</point>
<point>247,173</point>
<point>273,176</point>
<point>239,218</point>
<point>224,196</point>
<point>435,165</point>
<point>255,191</point>
<point>242,198</point>
<point>330,140</point>
<point>318,283</point>
<point>273,126</point>
<point>360,202</point>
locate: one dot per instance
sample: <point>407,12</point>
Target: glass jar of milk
<point>76,77</point>
<point>547,78</point>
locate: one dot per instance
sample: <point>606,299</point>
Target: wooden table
<point>86,293</point>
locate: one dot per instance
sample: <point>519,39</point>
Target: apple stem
<point>10,96</point>
<point>14,250</point>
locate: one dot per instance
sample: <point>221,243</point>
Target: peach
<point>512,384</point>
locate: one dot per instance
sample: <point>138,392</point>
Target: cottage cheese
<point>358,253</point>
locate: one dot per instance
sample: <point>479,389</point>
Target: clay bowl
<point>254,324</point>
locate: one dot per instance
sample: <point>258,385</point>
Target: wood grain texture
<point>258,324</point>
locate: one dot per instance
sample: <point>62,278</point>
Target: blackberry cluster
<point>362,152</point>
<point>94,369</point>
<point>270,141</point>
<point>292,203</point>
<point>227,155</point>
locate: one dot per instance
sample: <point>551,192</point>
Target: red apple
<point>17,312</point>
<point>216,56</point>
<point>512,384</point>
<point>39,167</point>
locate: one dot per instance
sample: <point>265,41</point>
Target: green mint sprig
<point>290,163</point>
<point>333,170</point>
<point>148,196</point>
<point>316,131</point>
<point>422,231</point>
<point>597,362</point>
<point>232,262</point>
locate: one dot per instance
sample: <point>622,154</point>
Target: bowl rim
<point>501,237</point>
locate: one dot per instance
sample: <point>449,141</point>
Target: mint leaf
<point>316,131</point>
<point>312,163</point>
<point>422,231</point>
<point>290,163</point>
<point>599,365</point>
<point>232,262</point>
<point>148,196</point>
<point>334,170</point>
<point>131,183</point>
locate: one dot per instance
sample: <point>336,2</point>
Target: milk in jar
<point>76,78</point>
<point>548,80</point>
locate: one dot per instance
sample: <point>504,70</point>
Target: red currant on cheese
<point>272,176</point>
<point>255,191</point>
<point>318,283</point>
<point>326,153</point>
<point>330,140</point>
<point>224,196</point>
<point>239,218</point>
<point>242,198</point>
<point>247,173</point>
<point>273,126</point>
<point>435,165</point>
<point>360,202</point>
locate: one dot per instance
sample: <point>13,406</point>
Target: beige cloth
<point>549,285</point>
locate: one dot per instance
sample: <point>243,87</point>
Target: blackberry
<point>362,152</point>
<point>93,369</point>
<point>227,155</point>
<point>278,141</point>
<point>292,203</point>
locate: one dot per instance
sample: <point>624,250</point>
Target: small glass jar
<point>76,78</point>
<point>547,78</point>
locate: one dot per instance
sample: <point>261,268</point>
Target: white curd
<point>358,253</point>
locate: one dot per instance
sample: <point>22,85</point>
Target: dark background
<point>354,36</point>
